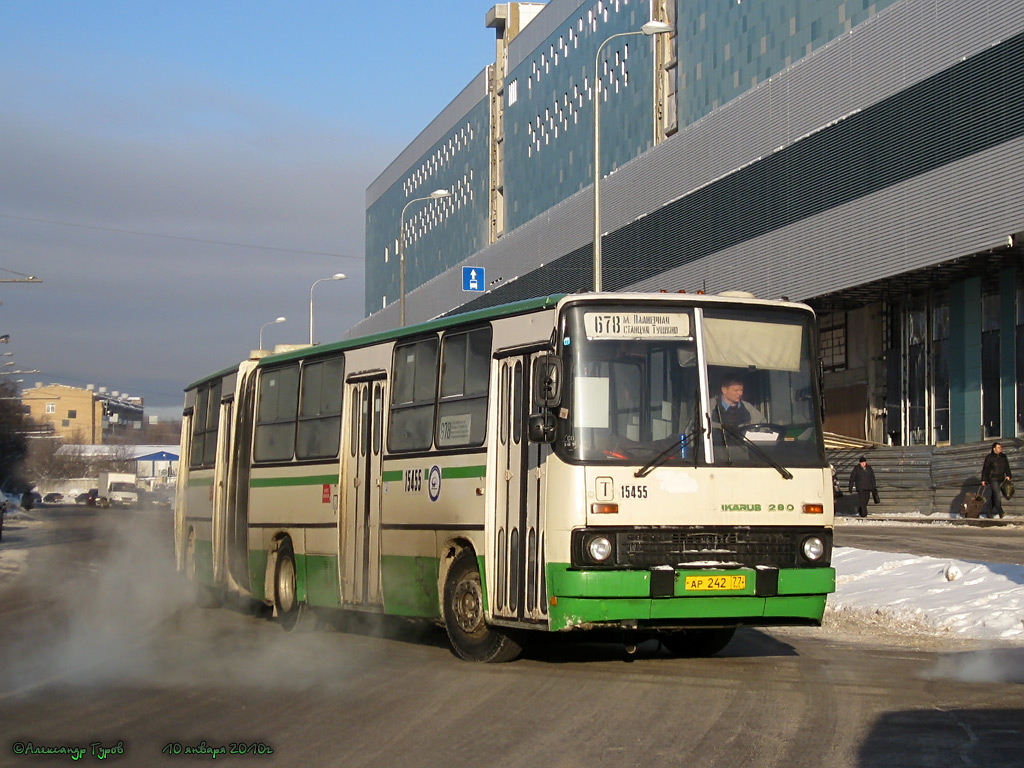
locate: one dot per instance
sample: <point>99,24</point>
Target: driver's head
<point>732,390</point>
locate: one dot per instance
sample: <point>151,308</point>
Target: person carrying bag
<point>994,472</point>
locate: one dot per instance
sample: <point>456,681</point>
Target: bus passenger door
<point>219,491</point>
<point>362,475</point>
<point>519,589</point>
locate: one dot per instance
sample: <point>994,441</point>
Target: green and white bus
<point>558,464</point>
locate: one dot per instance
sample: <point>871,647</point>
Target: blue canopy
<point>158,456</point>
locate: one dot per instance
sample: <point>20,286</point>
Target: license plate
<point>716,583</point>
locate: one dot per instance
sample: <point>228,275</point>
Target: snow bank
<point>970,600</point>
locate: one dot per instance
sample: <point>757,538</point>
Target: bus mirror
<point>547,381</point>
<point>542,427</point>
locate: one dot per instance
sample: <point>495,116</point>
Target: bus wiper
<point>665,455</point>
<point>786,474</point>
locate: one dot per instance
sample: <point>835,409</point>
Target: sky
<point>179,174</point>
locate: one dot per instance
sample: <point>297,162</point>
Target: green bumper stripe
<point>624,584</point>
<point>280,482</point>
<point>607,596</point>
<point>392,476</point>
<point>199,482</point>
<point>571,612</point>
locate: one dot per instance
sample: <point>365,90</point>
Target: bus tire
<point>470,636</point>
<point>206,596</point>
<point>293,615</point>
<point>696,643</point>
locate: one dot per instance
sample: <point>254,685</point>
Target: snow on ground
<point>901,593</point>
<point>930,595</point>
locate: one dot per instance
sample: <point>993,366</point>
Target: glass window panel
<point>213,419</point>
<point>426,370</point>
<point>478,363</point>
<point>411,428</point>
<point>275,442</point>
<point>199,413</point>
<point>334,378</point>
<point>312,388</point>
<point>198,441</point>
<point>415,390</point>
<point>279,394</point>
<point>453,366</point>
<point>319,438</point>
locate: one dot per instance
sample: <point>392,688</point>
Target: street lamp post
<point>650,28</point>
<point>437,193</point>
<point>337,276</point>
<point>275,321</point>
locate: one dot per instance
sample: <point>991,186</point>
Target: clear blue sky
<point>244,134</point>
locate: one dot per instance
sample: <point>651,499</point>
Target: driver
<point>731,409</point>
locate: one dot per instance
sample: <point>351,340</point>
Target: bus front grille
<point>678,547</point>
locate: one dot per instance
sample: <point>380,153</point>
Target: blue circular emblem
<point>434,483</point>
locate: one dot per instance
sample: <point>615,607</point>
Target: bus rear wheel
<point>694,643</point>
<point>471,638</point>
<point>294,615</point>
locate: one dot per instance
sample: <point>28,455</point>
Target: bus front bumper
<point>668,598</point>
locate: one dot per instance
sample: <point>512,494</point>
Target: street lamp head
<point>338,276</point>
<point>440,193</point>
<point>656,28</point>
<point>278,320</point>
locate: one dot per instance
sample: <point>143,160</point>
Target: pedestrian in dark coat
<point>862,480</point>
<point>995,469</point>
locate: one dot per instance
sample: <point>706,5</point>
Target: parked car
<point>82,498</point>
<point>53,498</point>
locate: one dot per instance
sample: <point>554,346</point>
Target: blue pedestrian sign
<point>473,279</point>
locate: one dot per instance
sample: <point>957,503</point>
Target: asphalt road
<point>999,543</point>
<point>100,643</point>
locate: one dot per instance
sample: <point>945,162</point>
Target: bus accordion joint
<point>814,509</point>
<point>604,509</point>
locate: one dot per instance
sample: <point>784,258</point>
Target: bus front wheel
<point>693,643</point>
<point>293,614</point>
<point>471,638</point>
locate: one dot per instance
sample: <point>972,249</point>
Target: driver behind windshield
<point>730,409</point>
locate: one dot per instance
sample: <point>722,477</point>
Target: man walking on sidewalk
<point>862,480</point>
<point>995,469</point>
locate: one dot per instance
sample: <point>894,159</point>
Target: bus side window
<point>413,396</point>
<point>275,414</point>
<point>319,430</point>
<point>199,427</point>
<point>465,371</point>
<point>212,425</point>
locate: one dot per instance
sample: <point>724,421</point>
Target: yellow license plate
<point>728,583</point>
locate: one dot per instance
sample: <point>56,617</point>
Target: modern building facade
<point>87,416</point>
<point>864,157</point>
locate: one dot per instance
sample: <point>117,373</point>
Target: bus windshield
<point>726,385</point>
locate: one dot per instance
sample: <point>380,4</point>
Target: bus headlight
<point>599,548</point>
<point>813,548</point>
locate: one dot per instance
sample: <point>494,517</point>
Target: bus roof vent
<point>737,294</point>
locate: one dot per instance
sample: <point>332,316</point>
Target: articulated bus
<point>560,464</point>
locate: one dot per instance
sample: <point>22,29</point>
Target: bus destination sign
<point>637,325</point>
